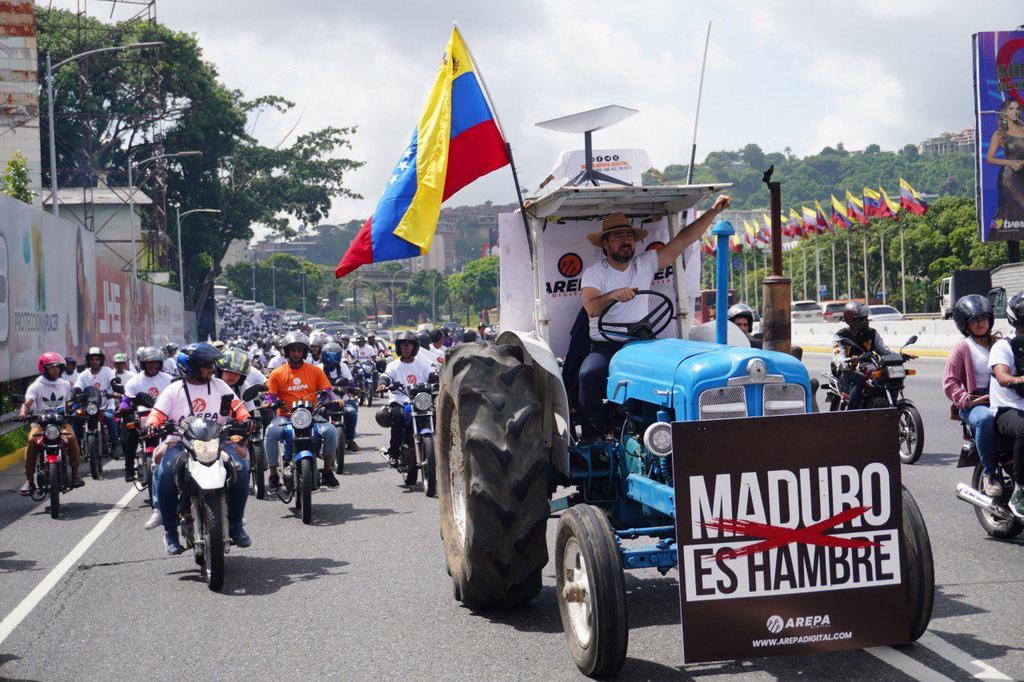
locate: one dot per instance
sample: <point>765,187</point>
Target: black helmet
<point>970,307</point>
<point>1015,310</point>
<point>436,335</point>
<point>741,310</point>
<point>383,417</point>
<point>855,314</point>
<point>410,337</point>
<point>424,339</point>
<point>468,336</point>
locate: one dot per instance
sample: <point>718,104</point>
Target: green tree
<point>427,290</point>
<point>14,181</point>
<point>281,273</point>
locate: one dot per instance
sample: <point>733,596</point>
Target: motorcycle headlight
<point>51,433</point>
<point>206,451</point>
<point>658,439</point>
<point>302,418</point>
<point>91,409</point>
<point>422,402</point>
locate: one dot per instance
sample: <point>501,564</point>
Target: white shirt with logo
<point>364,352</point>
<point>100,380</point>
<point>1002,396</point>
<point>639,274</point>
<point>408,374</point>
<point>171,366</point>
<point>276,362</point>
<point>154,385</point>
<point>47,395</point>
<point>174,405</point>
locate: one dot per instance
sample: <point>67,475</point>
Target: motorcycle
<point>417,454</point>
<point>262,414</point>
<point>365,376</point>
<point>203,484</point>
<point>993,514</point>
<point>53,469</point>
<point>334,411</point>
<point>303,446</point>
<point>90,405</point>
<point>132,419</point>
<point>883,387</point>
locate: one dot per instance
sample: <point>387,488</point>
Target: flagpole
<point>803,259</point>
<point>833,242</point>
<point>903,270</point>
<point>817,268</point>
<point>849,271</point>
<point>864,239</point>
<point>881,236</point>
<point>757,304</point>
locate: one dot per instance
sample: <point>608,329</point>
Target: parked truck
<point>1007,281</point>
<point>959,284</point>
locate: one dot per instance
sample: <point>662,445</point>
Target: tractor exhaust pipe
<point>722,231</point>
<point>982,501</point>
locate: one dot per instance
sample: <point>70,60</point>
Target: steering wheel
<point>652,324</point>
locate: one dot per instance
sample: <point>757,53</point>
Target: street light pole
<point>253,275</point>
<point>273,283</point>
<point>49,107</point>
<point>392,287</point>
<point>181,261</point>
<point>303,271</point>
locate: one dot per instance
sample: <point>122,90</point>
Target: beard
<point>623,255</point>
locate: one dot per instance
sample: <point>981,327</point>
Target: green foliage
<point>427,289</point>
<point>14,181</point>
<point>282,273</point>
<point>13,440</point>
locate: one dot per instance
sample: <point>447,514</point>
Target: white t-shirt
<point>364,352</point>
<point>409,374</point>
<point>70,378</point>
<point>171,366</point>
<point>47,395</point>
<point>124,376</point>
<point>639,274</point>
<point>276,362</point>
<point>253,378</point>
<point>100,380</point>
<point>173,403</point>
<point>342,372</point>
<point>154,386</point>
<point>998,396</point>
<point>979,360</point>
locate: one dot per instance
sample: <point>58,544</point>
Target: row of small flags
<point>809,221</point>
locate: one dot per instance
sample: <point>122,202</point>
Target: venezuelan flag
<point>796,226</point>
<point>820,219</point>
<point>892,206</point>
<point>910,199</point>
<point>810,220</point>
<point>872,203</point>
<point>855,209</point>
<point>839,217</point>
<point>456,141</point>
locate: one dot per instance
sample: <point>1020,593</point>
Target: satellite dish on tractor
<point>587,122</point>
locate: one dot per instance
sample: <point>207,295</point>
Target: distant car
<point>833,311</point>
<point>806,311</point>
<point>884,313</point>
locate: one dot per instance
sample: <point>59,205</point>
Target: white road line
<point>963,660</point>
<point>19,613</point>
<point>906,664</point>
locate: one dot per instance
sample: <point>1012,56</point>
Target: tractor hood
<point>667,372</point>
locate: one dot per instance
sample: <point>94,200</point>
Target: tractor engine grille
<point>780,399</point>
<point>728,402</point>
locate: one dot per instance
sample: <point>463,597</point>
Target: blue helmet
<point>195,355</point>
<point>330,354</point>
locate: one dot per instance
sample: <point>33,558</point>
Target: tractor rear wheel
<point>492,479</point>
<point>921,581</point>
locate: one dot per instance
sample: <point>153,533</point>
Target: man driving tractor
<point>616,279</point>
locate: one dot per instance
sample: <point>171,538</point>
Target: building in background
<point>442,251</point>
<point>19,89</point>
<point>949,143</point>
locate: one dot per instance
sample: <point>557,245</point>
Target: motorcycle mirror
<point>225,404</point>
<point>18,398</point>
<point>253,391</point>
<point>432,378</point>
<point>912,340</point>
<point>115,383</point>
<point>385,380</point>
<point>143,399</point>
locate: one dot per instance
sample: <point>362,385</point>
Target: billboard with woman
<point>999,114</point>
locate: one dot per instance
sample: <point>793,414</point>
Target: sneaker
<point>26,489</point>
<point>239,536</point>
<point>352,446</point>
<point>1016,504</point>
<point>329,479</point>
<point>172,544</point>
<point>77,483</point>
<point>992,485</point>
<point>155,519</point>
<point>273,483</point>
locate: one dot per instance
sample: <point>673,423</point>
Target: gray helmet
<point>150,354</point>
<point>295,338</point>
<point>234,360</point>
<point>741,310</point>
<point>318,338</point>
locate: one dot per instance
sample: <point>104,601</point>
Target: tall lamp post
<point>50,68</point>
<point>392,287</point>
<point>181,260</point>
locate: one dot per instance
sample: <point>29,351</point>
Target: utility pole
<point>273,283</point>
<point>303,271</point>
<point>253,253</point>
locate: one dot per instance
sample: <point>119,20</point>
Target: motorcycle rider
<point>49,391</point>
<point>1006,395</point>
<point>171,358</point>
<point>70,373</point>
<point>408,369</point>
<point>844,358</point>
<point>317,340</point>
<point>293,381</point>
<point>99,375</point>
<point>199,395</point>
<point>346,347</point>
<point>122,368</point>
<point>377,344</point>
<point>741,315</point>
<point>235,370</point>
<point>152,380</point>
<point>966,382</point>
<point>361,350</point>
<point>278,357</point>
<point>340,375</point>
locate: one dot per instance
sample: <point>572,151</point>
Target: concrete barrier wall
<point>939,335</point>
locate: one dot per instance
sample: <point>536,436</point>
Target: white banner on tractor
<point>627,165</point>
<point>566,254</point>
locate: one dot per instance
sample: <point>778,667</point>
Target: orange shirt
<point>292,385</point>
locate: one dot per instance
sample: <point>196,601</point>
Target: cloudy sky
<point>783,74</point>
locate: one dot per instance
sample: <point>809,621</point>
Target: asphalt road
<point>363,593</point>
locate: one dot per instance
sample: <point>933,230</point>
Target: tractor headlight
<point>658,438</point>
<point>91,409</point>
<point>51,433</point>
<point>302,418</point>
<point>206,451</point>
<point>422,402</point>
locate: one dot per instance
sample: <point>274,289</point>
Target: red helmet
<point>49,359</point>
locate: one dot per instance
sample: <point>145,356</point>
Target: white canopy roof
<point>589,203</point>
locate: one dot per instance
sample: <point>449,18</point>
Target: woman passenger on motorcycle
<point>1006,395</point>
<point>408,369</point>
<point>198,395</point>
<point>966,381</point>
<point>340,375</point>
<point>48,392</point>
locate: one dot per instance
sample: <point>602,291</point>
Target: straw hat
<point>615,222</point>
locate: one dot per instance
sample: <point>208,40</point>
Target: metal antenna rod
<point>696,114</point>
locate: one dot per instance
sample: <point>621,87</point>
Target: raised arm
<point>689,234</point>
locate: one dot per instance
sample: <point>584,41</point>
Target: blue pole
<point>722,230</point>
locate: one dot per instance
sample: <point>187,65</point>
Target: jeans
<point>983,425</point>
<point>276,432</point>
<point>1010,425</point>
<point>852,383</point>
<point>351,415</point>
<point>112,430</point>
<point>167,493</point>
<point>594,386</point>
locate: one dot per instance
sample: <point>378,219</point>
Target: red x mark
<point>776,536</point>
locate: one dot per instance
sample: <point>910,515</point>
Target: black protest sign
<point>788,534</point>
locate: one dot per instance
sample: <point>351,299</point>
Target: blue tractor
<point>509,456</point>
